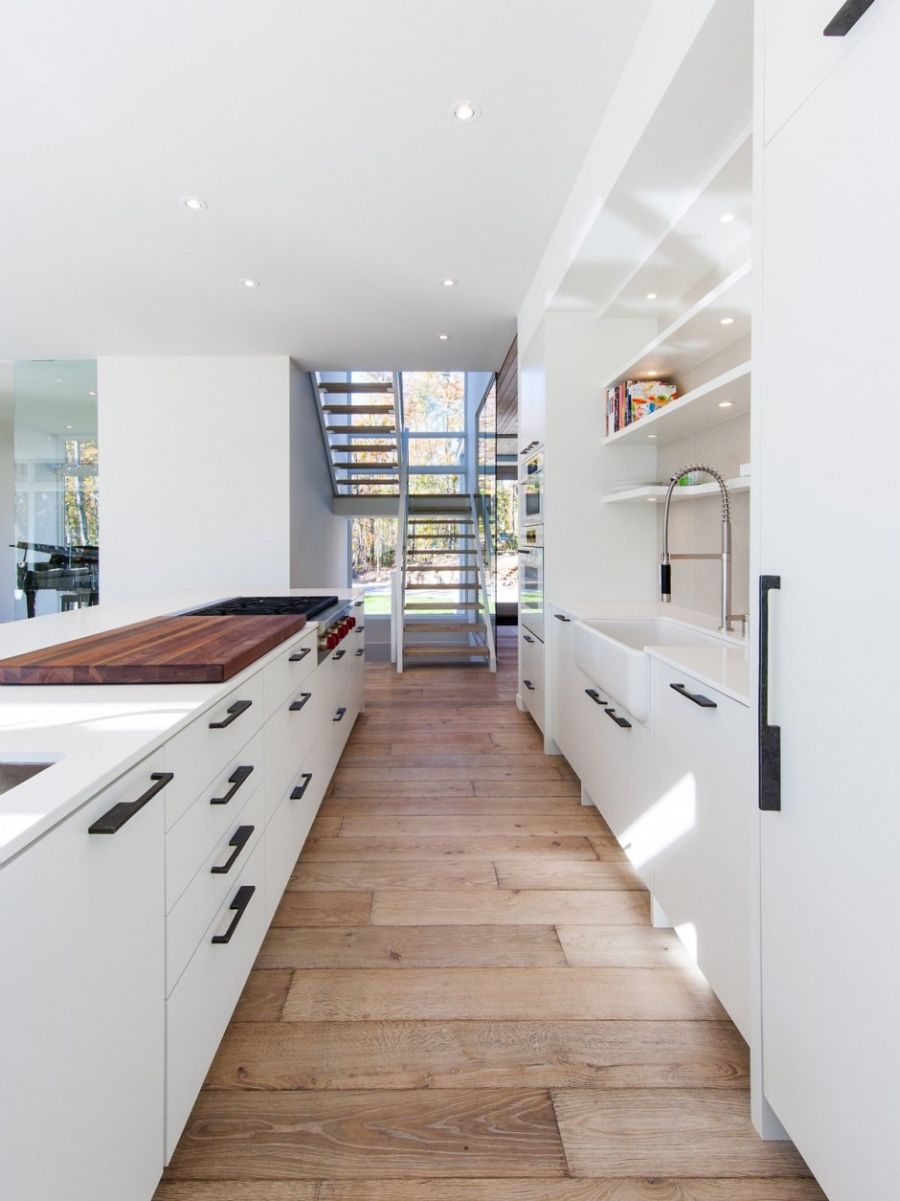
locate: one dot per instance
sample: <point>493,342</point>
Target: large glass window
<point>373,549</point>
<point>434,412</point>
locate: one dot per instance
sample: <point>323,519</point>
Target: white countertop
<point>93,733</point>
<point>724,665</point>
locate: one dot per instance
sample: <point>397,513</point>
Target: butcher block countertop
<point>164,650</point>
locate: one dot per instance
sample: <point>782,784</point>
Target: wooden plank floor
<point>461,997</point>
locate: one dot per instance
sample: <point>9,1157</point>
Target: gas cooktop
<point>267,606</point>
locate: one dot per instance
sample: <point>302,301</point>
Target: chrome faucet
<point>665,570</point>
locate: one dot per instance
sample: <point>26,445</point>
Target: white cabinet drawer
<point>296,811</point>
<point>289,669</point>
<point>199,1008</point>
<point>704,807</point>
<point>291,732</point>
<point>199,752</point>
<point>531,668</point>
<point>206,891</point>
<point>192,837</point>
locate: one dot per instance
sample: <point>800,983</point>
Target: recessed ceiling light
<point>59,381</point>
<point>653,373</point>
<point>725,404</point>
<point>250,283</point>
<point>92,393</point>
<point>450,283</point>
<point>194,203</point>
<point>68,427</point>
<point>653,435</point>
<point>727,321</point>
<point>444,337</point>
<point>651,296</point>
<point>727,218</point>
<point>465,110</point>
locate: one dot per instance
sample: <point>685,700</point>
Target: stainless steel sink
<point>14,774</point>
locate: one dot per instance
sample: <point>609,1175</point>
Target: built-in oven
<point>531,489</point>
<point>531,581</point>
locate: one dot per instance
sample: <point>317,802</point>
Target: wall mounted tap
<point>665,570</point>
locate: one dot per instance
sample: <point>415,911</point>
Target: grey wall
<point>7,492</point>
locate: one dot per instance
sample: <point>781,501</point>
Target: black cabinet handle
<point>528,684</point>
<point>338,655</point>
<point>296,706</point>
<point>361,629</point>
<point>703,701</point>
<point>559,617</point>
<point>595,696</point>
<point>620,721</point>
<point>114,819</point>
<point>361,651</point>
<point>846,17</point>
<point>297,793</point>
<point>236,779</point>
<point>239,905</point>
<point>340,715</point>
<point>528,638</point>
<point>299,656</point>
<point>358,604</point>
<point>234,712</point>
<point>239,840</point>
<point>769,736</point>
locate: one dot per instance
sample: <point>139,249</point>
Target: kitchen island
<point>138,875</point>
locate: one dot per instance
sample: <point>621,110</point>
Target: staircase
<point>441,596</point>
<point>361,423</point>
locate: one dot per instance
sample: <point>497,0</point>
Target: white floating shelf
<point>656,493</point>
<point>697,409</point>
<point>698,333</point>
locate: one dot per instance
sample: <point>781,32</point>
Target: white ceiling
<point>319,133</point>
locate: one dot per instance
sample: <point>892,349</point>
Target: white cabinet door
<point>531,671</point>
<point>81,1004</point>
<point>703,808</point>
<point>825,456</point>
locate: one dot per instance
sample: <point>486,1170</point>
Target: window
<point>373,549</point>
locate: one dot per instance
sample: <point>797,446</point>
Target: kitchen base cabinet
<point>703,808</point>
<point>531,671</point>
<point>82,942</point>
<point>295,813</point>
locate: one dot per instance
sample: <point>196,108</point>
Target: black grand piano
<point>72,571</point>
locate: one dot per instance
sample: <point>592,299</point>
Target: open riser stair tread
<point>360,388</point>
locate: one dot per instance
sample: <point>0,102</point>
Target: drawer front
<point>201,1005</point>
<point>205,893</point>
<point>290,734</point>
<point>294,664</point>
<point>531,658</point>
<point>287,831</point>
<point>191,839</point>
<point>198,752</point>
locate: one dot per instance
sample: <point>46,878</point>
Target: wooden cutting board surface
<point>166,650</point>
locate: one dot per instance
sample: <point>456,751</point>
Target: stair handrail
<point>397,617</point>
<point>483,585</point>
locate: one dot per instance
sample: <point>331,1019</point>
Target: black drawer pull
<point>528,638</point>
<point>236,779</point>
<point>769,735</point>
<point>698,698</point>
<point>239,840</point>
<point>358,604</point>
<point>296,706</point>
<point>299,656</point>
<point>114,819</point>
<point>338,655</point>
<point>559,617</point>
<point>528,684</point>
<point>846,17</point>
<point>339,716</point>
<point>239,904</point>
<point>620,721</point>
<point>234,712</point>
<point>595,696</point>
<point>361,651</point>
<point>361,629</point>
<point>297,793</point>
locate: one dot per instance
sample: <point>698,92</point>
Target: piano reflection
<point>72,571</point>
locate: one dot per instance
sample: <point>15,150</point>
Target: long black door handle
<point>620,721</point>
<point>296,706</point>
<point>595,696</point>
<point>114,819</point>
<point>239,905</point>
<point>239,840</point>
<point>234,712</point>
<point>339,716</point>
<point>559,617</point>
<point>769,736</point>
<point>297,793</point>
<point>236,779</point>
<point>697,697</point>
<point>300,656</point>
<point>846,17</point>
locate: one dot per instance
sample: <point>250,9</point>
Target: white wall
<point>7,493</point>
<point>195,484</point>
<point>320,541</point>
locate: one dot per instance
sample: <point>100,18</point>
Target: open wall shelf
<point>656,493</point>
<point>697,409</point>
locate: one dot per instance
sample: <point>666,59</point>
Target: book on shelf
<point>630,400</point>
